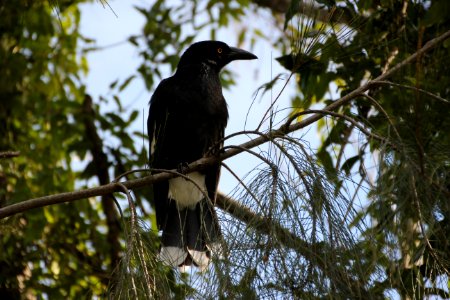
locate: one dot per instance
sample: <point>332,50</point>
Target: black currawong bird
<point>187,119</point>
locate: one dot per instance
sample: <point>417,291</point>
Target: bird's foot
<point>182,168</point>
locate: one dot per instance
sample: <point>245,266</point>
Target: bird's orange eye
<point>219,50</point>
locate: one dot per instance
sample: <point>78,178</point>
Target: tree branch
<point>207,161</point>
<point>100,160</point>
<point>261,224</point>
<point>315,252</point>
<point>9,154</point>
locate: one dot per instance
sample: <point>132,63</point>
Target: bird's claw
<point>182,168</point>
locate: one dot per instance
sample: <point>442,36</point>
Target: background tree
<point>301,232</point>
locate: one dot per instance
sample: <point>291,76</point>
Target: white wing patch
<point>185,192</point>
<point>153,142</point>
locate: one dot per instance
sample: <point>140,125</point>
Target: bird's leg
<point>182,168</point>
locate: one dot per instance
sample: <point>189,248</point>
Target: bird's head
<point>214,53</point>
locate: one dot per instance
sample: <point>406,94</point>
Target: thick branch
<point>262,224</point>
<point>204,162</point>
<point>313,252</point>
<point>100,161</point>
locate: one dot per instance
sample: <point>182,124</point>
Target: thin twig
<point>381,109</point>
<point>408,87</point>
<point>243,184</point>
<point>345,117</point>
<point>422,227</point>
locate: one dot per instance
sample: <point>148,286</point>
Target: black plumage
<point>187,119</point>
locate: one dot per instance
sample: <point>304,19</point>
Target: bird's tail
<point>191,235</point>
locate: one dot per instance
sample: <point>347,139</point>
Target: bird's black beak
<point>239,54</point>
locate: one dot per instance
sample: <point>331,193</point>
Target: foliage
<point>40,93</point>
<point>296,230</point>
<point>409,199</point>
<point>60,251</point>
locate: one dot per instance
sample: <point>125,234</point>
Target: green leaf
<point>348,164</point>
<point>126,82</point>
<point>113,84</point>
<point>327,162</point>
<point>293,9</point>
<point>115,119</point>
<point>133,116</point>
